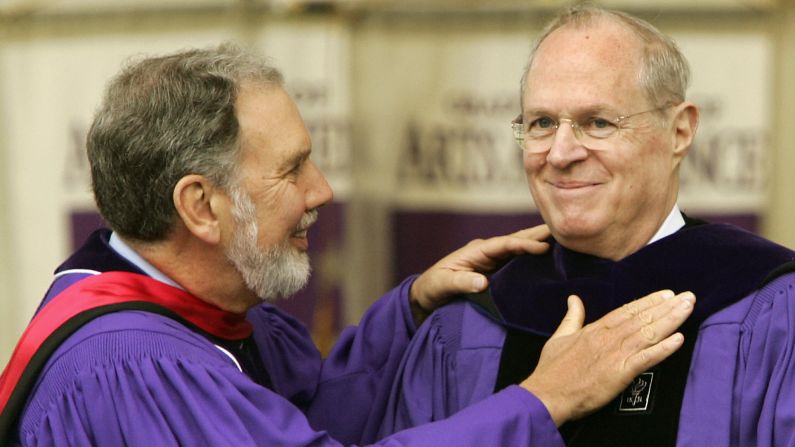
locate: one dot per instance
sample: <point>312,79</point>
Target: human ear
<point>198,202</point>
<point>685,124</point>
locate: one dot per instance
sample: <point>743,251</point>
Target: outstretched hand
<point>462,270</point>
<point>583,368</point>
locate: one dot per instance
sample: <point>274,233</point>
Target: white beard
<point>277,272</point>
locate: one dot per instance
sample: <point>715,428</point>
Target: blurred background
<point>408,103</point>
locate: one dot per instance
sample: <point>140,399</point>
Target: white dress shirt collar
<point>131,255</point>
<point>672,224</point>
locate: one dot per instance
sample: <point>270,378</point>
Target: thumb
<point>574,318</point>
<point>457,282</point>
<point>436,286</point>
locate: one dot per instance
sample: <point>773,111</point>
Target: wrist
<point>557,412</point>
<point>418,312</point>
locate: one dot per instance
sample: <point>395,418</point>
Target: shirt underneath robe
<point>138,378</point>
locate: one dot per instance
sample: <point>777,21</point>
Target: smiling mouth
<point>573,185</point>
<point>308,219</point>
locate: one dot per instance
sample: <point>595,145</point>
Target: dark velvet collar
<point>719,263</point>
<point>97,254</point>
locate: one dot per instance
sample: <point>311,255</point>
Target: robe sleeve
<point>359,370</point>
<point>450,365</point>
<point>749,399</point>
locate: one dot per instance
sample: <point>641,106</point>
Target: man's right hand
<point>581,368</point>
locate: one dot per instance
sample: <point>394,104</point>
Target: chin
<point>574,228</point>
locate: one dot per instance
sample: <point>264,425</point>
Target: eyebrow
<point>590,110</point>
<point>296,158</point>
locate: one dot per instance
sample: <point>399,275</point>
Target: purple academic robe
<point>138,378</point>
<point>740,388</point>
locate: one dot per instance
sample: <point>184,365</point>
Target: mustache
<point>308,219</point>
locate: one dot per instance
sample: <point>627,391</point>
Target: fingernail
<point>676,340</point>
<point>667,294</point>
<point>479,283</point>
<point>689,297</point>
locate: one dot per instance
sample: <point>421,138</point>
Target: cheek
<point>532,163</point>
<point>642,177</point>
<point>279,205</point>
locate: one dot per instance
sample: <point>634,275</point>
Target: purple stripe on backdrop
<point>749,222</point>
<point>83,223</point>
<point>421,238</point>
<point>319,305</point>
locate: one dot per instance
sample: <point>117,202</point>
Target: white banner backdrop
<point>315,59</point>
<point>726,170</point>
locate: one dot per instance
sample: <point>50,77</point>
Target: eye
<point>600,123</point>
<point>295,170</point>
<point>541,127</point>
<point>543,123</point>
<point>599,127</point>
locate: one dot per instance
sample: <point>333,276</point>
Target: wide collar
<point>96,254</point>
<point>719,263</point>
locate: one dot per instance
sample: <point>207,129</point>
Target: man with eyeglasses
<point>604,128</point>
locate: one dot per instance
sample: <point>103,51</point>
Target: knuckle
<point>645,316</point>
<point>648,333</point>
<point>630,308</point>
<point>655,299</point>
<point>643,357</point>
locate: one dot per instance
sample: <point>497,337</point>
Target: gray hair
<point>163,118</point>
<point>664,73</point>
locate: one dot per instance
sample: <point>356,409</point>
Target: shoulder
<point>131,334</point>
<point>771,303</point>
<point>128,337</point>
<point>132,381</point>
<point>133,348</point>
<point>270,320</point>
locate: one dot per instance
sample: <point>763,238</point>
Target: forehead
<point>271,127</point>
<point>588,66</point>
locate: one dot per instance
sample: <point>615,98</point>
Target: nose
<point>566,147</point>
<point>318,191</point>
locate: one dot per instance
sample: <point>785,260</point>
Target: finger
<point>538,233</point>
<point>501,247</point>
<point>663,324</point>
<point>634,308</point>
<point>574,318</point>
<point>452,282</point>
<point>655,313</point>
<point>648,357</point>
